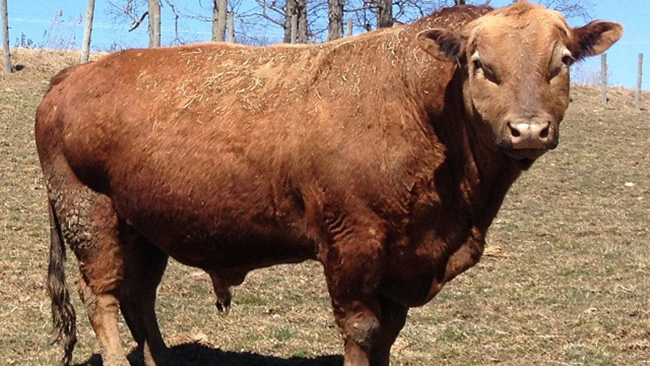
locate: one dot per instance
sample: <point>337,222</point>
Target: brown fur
<point>367,154</point>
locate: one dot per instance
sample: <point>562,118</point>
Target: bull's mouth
<point>524,158</point>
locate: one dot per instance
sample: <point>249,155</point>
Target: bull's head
<point>515,62</point>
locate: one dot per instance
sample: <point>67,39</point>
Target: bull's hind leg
<point>144,265</point>
<point>89,225</point>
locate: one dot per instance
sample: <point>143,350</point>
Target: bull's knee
<point>359,326</point>
<point>362,330</point>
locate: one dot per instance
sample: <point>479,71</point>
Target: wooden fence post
<point>154,23</point>
<point>230,18</point>
<point>349,28</point>
<point>85,48</point>
<point>603,77</point>
<point>639,82</point>
<point>294,28</point>
<point>5,37</point>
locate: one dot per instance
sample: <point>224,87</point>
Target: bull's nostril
<point>544,133</point>
<point>514,131</point>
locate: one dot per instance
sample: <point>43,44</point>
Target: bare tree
<point>335,15</point>
<point>289,11</point>
<point>384,13</point>
<point>154,23</point>
<point>219,20</point>
<point>256,22</point>
<point>369,14</point>
<point>5,37</point>
<point>299,9</point>
<point>85,50</point>
<point>129,9</point>
<point>571,8</point>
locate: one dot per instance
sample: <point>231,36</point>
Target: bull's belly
<point>214,229</point>
<point>246,251</point>
<point>208,210</point>
<point>221,245</point>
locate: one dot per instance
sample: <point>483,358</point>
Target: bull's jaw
<point>523,164</point>
<point>523,159</point>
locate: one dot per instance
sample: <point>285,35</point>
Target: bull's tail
<point>63,314</point>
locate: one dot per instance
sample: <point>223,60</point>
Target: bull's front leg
<point>369,329</point>
<point>354,263</point>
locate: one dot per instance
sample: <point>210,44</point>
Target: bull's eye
<point>486,71</point>
<point>478,66</point>
<point>567,60</point>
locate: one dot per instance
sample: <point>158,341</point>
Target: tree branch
<point>137,23</point>
<point>177,38</point>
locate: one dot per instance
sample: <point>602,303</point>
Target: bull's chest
<point>419,266</point>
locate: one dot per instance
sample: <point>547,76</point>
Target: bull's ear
<point>441,43</point>
<point>595,38</point>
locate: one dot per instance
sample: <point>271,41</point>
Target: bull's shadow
<point>194,354</point>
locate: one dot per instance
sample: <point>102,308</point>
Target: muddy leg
<point>89,226</point>
<point>102,312</point>
<point>144,265</point>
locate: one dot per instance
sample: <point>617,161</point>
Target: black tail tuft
<point>63,314</point>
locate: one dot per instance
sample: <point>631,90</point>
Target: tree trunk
<point>385,13</point>
<point>289,10</point>
<point>303,29</point>
<point>459,2</point>
<point>294,29</point>
<point>335,10</point>
<point>219,19</point>
<point>154,23</point>
<point>5,37</point>
<point>85,49</point>
<point>298,8</point>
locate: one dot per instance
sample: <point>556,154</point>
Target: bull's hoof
<point>223,305</point>
<point>160,357</point>
<point>115,361</point>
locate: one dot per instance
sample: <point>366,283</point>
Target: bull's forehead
<point>520,29</point>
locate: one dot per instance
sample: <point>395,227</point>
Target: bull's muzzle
<point>527,138</point>
<point>536,133</point>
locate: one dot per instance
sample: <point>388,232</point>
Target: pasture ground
<point>566,280</point>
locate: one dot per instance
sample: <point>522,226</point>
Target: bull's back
<point>207,116</point>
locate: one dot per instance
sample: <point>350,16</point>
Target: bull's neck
<point>477,177</point>
<point>480,174</point>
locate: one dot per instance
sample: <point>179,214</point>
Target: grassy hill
<point>565,281</point>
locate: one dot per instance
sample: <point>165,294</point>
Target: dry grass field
<point>566,280</point>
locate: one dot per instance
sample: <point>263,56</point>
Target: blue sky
<point>36,23</point>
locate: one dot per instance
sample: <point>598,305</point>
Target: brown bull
<point>384,156</point>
